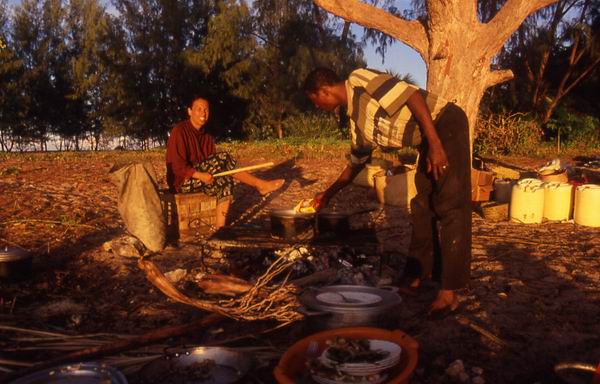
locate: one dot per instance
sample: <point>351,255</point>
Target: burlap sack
<point>139,203</point>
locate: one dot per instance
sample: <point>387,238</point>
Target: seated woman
<point>192,160</point>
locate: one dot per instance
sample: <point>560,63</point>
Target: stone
<point>455,368</point>
<point>477,371</point>
<point>176,275</point>
<point>125,246</point>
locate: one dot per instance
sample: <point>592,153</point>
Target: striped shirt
<point>186,147</point>
<point>378,113</point>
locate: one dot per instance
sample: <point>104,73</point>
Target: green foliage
<point>10,70</point>
<point>70,71</point>
<point>499,134</point>
<point>264,54</point>
<point>553,53</point>
<point>573,129</point>
<point>311,126</point>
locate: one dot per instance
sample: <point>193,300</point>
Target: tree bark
<point>456,47</point>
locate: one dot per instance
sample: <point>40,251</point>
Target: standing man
<point>387,112</point>
<point>192,159</point>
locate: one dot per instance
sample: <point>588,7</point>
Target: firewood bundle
<point>263,300</point>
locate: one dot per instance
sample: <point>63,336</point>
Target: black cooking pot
<point>336,223</point>
<point>15,263</point>
<point>290,225</point>
<point>332,223</point>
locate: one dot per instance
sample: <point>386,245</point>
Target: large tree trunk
<point>457,48</point>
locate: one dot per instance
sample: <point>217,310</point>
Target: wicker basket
<point>494,211</point>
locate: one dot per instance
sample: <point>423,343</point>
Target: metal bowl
<point>325,314</point>
<point>229,366</point>
<point>15,263</point>
<point>82,373</point>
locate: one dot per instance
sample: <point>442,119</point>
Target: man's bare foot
<point>409,285</point>
<point>414,283</point>
<point>446,300</point>
<point>269,186</point>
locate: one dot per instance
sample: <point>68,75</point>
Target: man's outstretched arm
<point>437,161</point>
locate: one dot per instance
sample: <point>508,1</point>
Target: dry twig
<point>261,302</point>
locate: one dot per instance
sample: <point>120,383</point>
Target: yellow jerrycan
<point>558,200</point>
<point>587,205</point>
<point>527,201</point>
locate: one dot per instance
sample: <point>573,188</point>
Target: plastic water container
<point>558,198</point>
<point>365,178</point>
<point>527,201</point>
<point>587,205</point>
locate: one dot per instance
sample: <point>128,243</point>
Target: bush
<point>501,134</point>
<point>573,130</point>
<point>314,126</point>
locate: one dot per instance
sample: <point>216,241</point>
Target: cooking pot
<point>289,225</point>
<point>15,263</point>
<point>350,306</point>
<point>336,223</point>
<point>332,223</point>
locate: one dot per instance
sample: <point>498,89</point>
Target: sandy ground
<point>535,289</point>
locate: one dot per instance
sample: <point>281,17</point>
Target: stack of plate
<point>323,380</point>
<point>374,370</point>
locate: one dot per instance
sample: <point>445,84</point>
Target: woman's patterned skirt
<point>222,186</point>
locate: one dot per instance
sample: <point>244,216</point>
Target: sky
<point>399,58</point>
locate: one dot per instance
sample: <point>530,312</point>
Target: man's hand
<point>437,161</point>
<point>320,201</point>
<point>204,177</point>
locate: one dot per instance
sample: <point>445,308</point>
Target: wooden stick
<point>31,331</point>
<point>324,276</point>
<point>119,346</point>
<point>244,169</point>
<point>464,321</point>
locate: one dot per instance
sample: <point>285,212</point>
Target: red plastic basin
<point>292,364</point>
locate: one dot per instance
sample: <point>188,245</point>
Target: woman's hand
<point>204,177</point>
<point>437,161</point>
<point>320,201</point>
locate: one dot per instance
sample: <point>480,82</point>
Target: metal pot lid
<point>83,373</point>
<point>13,254</point>
<point>227,366</point>
<point>290,214</point>
<point>370,298</point>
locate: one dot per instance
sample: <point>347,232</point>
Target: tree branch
<point>410,32</point>
<point>508,19</point>
<point>583,75</point>
<point>500,76</point>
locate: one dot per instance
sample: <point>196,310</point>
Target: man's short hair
<point>193,99</point>
<point>318,78</point>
